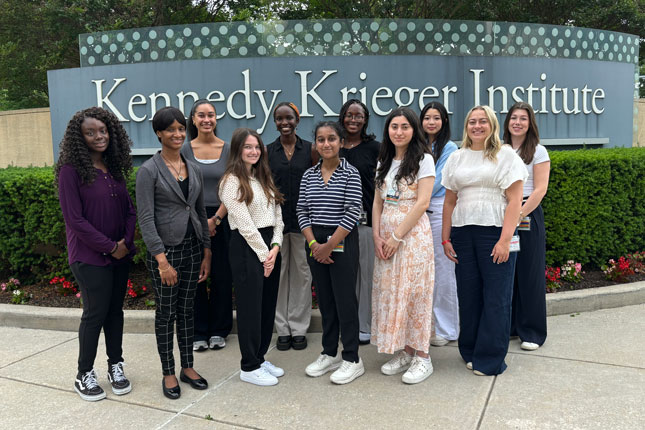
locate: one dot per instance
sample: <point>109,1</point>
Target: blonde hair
<point>492,144</point>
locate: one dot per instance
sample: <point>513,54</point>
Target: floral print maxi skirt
<point>403,285</point>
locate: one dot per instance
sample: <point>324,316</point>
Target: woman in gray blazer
<point>172,218</point>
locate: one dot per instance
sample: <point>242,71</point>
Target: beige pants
<point>293,310</point>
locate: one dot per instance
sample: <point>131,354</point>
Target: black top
<point>364,157</point>
<point>287,176</point>
<point>184,189</point>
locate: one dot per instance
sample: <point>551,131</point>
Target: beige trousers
<point>293,310</point>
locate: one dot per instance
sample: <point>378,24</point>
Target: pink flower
<point>78,295</point>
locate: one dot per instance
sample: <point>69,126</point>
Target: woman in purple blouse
<point>93,163</point>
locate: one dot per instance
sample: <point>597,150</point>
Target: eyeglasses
<point>358,117</point>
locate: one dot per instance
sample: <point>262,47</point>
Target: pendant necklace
<point>180,178</point>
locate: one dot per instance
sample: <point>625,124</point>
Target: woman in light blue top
<point>436,127</point>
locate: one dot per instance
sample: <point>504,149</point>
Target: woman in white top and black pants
<point>255,217</point>
<point>529,292</point>
<point>483,183</point>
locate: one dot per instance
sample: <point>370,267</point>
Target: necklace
<point>289,153</point>
<point>180,178</point>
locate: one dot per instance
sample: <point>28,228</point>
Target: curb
<point>142,321</point>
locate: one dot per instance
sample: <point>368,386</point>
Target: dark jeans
<point>484,290</point>
<point>529,291</point>
<point>214,308</point>
<point>175,302</point>
<point>255,296</point>
<point>336,293</point>
<point>103,290</point>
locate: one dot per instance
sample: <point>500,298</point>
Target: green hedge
<point>594,210</point>
<point>595,207</point>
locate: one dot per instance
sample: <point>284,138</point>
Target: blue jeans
<point>485,292</point>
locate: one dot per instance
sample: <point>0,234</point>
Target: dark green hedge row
<point>594,210</point>
<point>595,207</point>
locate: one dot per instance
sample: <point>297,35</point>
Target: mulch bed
<point>45,294</point>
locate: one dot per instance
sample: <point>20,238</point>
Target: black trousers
<point>214,305</point>
<point>528,319</point>
<point>255,297</point>
<point>336,292</point>
<point>103,290</point>
<point>175,302</point>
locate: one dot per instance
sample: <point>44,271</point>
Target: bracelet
<point>164,270</point>
<point>312,242</point>
<point>445,241</point>
<point>275,244</point>
<point>116,246</point>
<point>396,238</point>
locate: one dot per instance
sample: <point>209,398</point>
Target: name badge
<point>392,196</point>
<point>515,243</point>
<point>525,224</point>
<point>340,247</point>
<point>362,218</point>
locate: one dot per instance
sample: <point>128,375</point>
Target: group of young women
<point>410,242</point>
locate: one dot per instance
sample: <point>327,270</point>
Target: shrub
<point>595,206</point>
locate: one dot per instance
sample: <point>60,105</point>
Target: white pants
<point>445,304</point>
<point>293,309</point>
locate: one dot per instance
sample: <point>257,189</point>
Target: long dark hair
<point>532,138</point>
<point>190,127</point>
<point>74,150</point>
<point>444,134</point>
<point>260,170</point>
<point>413,155</point>
<point>343,111</point>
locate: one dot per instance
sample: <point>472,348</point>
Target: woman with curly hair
<point>92,167</point>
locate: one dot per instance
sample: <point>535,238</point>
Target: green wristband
<point>312,242</point>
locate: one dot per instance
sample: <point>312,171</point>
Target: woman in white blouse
<point>529,292</point>
<point>253,202</point>
<point>483,183</point>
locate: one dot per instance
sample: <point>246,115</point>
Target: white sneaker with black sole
<point>323,364</point>
<point>347,372</point>
<point>87,387</point>
<point>259,376</point>
<point>216,342</point>
<point>120,384</point>
<point>200,345</point>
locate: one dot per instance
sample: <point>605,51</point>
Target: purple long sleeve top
<point>97,215</point>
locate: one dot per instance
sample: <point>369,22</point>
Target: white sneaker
<point>398,364</point>
<point>259,376</point>
<point>200,345</point>
<point>272,369</point>
<point>439,341</point>
<point>216,342</point>
<point>529,346</point>
<point>347,372</point>
<point>323,364</point>
<point>469,365</point>
<point>419,370</point>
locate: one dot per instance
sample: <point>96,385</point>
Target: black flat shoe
<point>172,393</point>
<point>198,384</point>
<point>299,342</point>
<point>284,343</point>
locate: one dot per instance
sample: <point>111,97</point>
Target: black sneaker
<point>87,387</point>
<point>120,384</point>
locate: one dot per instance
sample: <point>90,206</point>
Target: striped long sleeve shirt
<point>337,203</point>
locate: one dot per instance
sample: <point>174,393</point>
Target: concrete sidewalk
<point>589,375</point>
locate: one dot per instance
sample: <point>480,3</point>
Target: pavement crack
<point>483,412</point>
<point>39,352</point>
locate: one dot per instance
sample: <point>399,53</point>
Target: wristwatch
<point>218,220</point>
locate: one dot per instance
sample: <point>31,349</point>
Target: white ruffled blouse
<point>480,184</point>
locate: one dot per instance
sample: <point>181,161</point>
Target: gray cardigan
<point>162,210</point>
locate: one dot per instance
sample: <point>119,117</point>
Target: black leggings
<point>103,290</point>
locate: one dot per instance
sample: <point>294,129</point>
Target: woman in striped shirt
<point>328,209</point>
